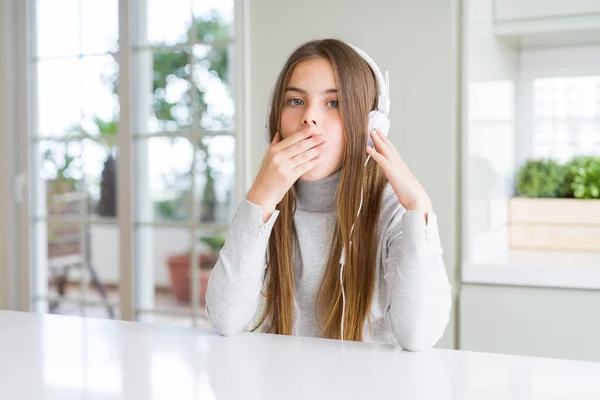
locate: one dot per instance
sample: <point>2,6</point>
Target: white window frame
<point>14,89</point>
<point>16,82</point>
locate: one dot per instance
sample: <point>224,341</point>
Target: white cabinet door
<point>539,9</point>
<point>544,322</point>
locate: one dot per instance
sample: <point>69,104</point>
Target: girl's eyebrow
<point>302,91</point>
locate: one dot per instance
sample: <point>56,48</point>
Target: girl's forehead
<point>313,75</point>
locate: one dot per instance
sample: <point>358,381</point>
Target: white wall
<point>416,42</point>
<point>165,242</point>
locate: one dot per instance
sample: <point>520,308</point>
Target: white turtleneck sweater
<point>412,297</point>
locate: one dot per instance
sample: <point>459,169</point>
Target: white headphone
<point>378,119</point>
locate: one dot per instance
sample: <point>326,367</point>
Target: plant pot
<point>180,275</point>
<point>555,224</point>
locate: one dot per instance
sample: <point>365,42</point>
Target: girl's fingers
<point>276,139</point>
<point>387,148</point>
<point>301,147</point>
<point>380,145</point>
<point>378,157</point>
<point>389,144</point>
<point>307,166</point>
<point>305,156</point>
<point>295,138</point>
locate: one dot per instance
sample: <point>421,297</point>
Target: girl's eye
<point>295,102</point>
<point>334,103</point>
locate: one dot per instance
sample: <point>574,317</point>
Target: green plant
<point>541,178</point>
<point>583,177</point>
<point>214,242</point>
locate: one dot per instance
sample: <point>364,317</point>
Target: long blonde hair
<point>357,91</point>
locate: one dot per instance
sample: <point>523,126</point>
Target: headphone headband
<point>383,103</point>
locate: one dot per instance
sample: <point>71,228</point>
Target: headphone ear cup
<point>377,120</point>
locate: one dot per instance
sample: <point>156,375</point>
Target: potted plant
<point>180,271</point>
<point>107,130</point>
<point>557,206</point>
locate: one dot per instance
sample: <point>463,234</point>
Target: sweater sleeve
<point>235,283</point>
<point>419,295</point>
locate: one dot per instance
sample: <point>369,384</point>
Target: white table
<point>56,357</point>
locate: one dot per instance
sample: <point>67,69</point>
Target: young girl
<point>335,238</point>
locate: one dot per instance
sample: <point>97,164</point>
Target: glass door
<point>131,155</point>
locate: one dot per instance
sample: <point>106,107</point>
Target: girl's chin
<point>316,174</point>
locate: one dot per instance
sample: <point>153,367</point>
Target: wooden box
<point>555,224</point>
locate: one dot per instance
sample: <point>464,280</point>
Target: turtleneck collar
<point>317,196</point>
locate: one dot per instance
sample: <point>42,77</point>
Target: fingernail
<point>381,133</point>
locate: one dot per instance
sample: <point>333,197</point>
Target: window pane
<point>100,102</point>
<point>213,20</point>
<point>63,248</point>
<point>77,263</point>
<point>164,179</point>
<point>104,261</point>
<point>165,244</point>
<point>170,264</point>
<point>58,28</point>
<point>215,178</point>
<point>59,96</point>
<point>212,79</point>
<point>168,21</point>
<point>71,27</point>
<point>76,95</point>
<point>78,178</point>
<point>170,99</point>
<point>566,111</point>
<point>100,26</point>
